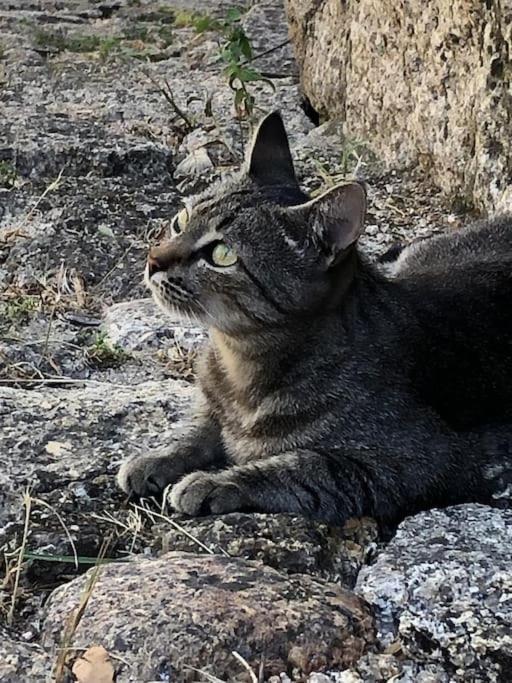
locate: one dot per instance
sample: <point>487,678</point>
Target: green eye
<point>223,256</point>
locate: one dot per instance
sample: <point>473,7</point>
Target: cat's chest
<point>256,423</point>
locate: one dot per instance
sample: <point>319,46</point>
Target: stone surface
<point>64,446</point>
<point>140,324</point>
<point>77,434</point>
<point>159,618</point>
<point>380,668</point>
<point>289,544</point>
<point>425,83</point>
<point>442,588</point>
<point>19,658</point>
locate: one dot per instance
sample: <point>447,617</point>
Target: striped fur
<point>331,386</point>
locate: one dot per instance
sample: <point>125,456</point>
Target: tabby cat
<point>331,386</point>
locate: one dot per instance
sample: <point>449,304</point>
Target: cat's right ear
<point>336,217</point>
<point>269,160</point>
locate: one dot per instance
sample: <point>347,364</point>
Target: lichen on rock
<point>443,588</point>
<point>167,619</point>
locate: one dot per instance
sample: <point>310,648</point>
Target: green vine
<point>236,52</point>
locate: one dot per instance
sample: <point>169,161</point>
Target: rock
<point>378,668</point>
<point>421,82</point>
<point>140,324</point>
<point>18,658</point>
<point>288,543</point>
<point>161,619</point>
<point>443,589</point>
<point>66,446</point>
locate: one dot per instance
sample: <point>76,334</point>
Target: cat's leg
<point>302,481</point>
<point>336,485</point>
<point>197,447</point>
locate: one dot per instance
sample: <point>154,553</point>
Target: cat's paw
<point>205,493</point>
<point>148,475</point>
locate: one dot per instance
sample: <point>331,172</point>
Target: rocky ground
<point>110,111</point>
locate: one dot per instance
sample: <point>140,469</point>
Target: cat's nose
<point>160,259</point>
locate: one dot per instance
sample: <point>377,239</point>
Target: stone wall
<point>422,82</point>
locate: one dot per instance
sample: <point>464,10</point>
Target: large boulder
<point>425,82</point>
<point>165,619</point>
<point>442,592</point>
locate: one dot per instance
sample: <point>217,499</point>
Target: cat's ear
<point>336,216</point>
<point>269,161</point>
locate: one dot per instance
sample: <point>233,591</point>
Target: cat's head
<point>255,252</point>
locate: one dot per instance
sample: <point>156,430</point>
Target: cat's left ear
<point>269,160</point>
<point>336,217</point>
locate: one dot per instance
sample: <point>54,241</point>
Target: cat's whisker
<point>328,386</point>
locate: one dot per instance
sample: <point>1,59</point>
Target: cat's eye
<point>180,221</point>
<point>223,256</point>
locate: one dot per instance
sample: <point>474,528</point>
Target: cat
<point>331,386</point>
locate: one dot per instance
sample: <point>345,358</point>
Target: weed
<point>236,52</point>
<point>59,42</point>
<point>108,46</point>
<point>185,18</point>
<point>352,153</point>
<point>103,354</point>
<point>165,33</point>
<point>19,309</point>
<point>8,174</point>
<point>136,32</point>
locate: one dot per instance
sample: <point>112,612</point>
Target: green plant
<point>8,174</point>
<point>236,52</point>
<point>165,33</point>
<point>19,310</point>
<point>108,46</point>
<point>74,42</point>
<point>185,18</point>
<point>352,152</point>
<point>103,354</point>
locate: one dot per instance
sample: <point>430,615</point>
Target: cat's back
<point>482,245</point>
<point>459,286</point>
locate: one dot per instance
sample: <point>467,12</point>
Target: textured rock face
<point>140,324</point>
<point>424,82</point>
<point>163,616</point>
<point>287,543</point>
<point>18,658</point>
<point>443,589</point>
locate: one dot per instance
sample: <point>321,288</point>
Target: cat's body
<point>330,386</point>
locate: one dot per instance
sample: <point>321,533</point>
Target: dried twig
<point>27,502</point>
<point>169,96</point>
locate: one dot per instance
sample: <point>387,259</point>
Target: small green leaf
<point>206,23</point>
<point>70,559</point>
<point>105,231</point>
<point>245,47</point>
<point>239,97</point>
<point>233,15</point>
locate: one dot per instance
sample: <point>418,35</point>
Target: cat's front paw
<point>148,475</point>
<point>205,493</point>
